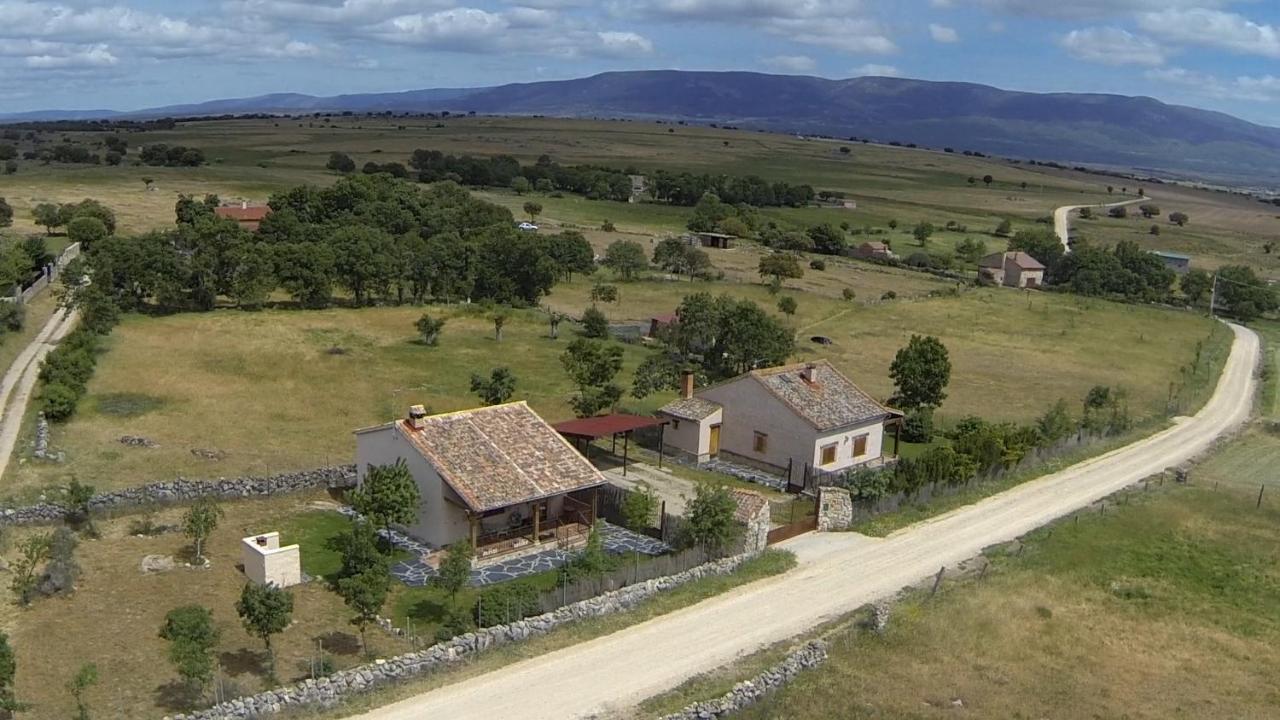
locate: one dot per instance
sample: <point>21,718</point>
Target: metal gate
<point>804,518</point>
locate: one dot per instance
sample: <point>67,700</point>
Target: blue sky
<point>126,54</point>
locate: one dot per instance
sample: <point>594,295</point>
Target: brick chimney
<point>244,204</point>
<point>686,384</point>
<point>417,417</point>
<point>807,374</point>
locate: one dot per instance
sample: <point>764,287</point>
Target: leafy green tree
<point>495,389</point>
<point>987,180</point>
<point>571,252</point>
<point>86,230</point>
<point>787,305</point>
<point>625,257</point>
<point>1119,213</point>
<point>454,572</point>
<point>199,522</point>
<point>388,495</point>
<point>429,329</point>
<point>971,250</point>
<point>708,213</point>
<point>1004,228</point>
<point>364,260</point>
<point>8,672</point>
<point>639,508</point>
<point>1056,423</point>
<point>192,637</point>
<point>265,610</point>
<point>1195,285</point>
<point>1243,294</point>
<point>358,548</point>
<point>533,210</point>
<point>921,372</point>
<point>365,593</point>
<point>1042,244</point>
<point>827,239</point>
<point>1149,210</point>
<point>46,215</point>
<point>709,518</point>
<point>728,336</point>
<point>1179,218</point>
<point>340,162</point>
<point>520,184</point>
<point>594,323</point>
<point>793,241</point>
<point>605,293</point>
<point>79,496</point>
<point>922,232</point>
<point>676,256</point>
<point>917,425</point>
<point>33,551</point>
<point>893,224</point>
<point>85,678</point>
<point>593,365</point>
<point>780,266</point>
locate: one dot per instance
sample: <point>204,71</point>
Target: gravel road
<point>837,573</point>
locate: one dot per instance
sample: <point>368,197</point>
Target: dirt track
<point>1062,218</point>
<point>20,380</point>
<point>837,573</point>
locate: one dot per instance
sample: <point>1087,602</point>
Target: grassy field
<point>116,612</point>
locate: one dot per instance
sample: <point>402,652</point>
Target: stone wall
<point>835,509</point>
<point>329,691</point>
<point>747,693</point>
<point>183,490</point>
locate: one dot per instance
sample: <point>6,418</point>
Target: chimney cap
<point>417,411</point>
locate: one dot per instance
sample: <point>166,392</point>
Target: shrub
<point>607,226</point>
<point>818,264</point>
<point>848,294</point>
<point>890,295</point>
<point>506,602</point>
<point>58,402</point>
<point>917,426</point>
<point>594,323</point>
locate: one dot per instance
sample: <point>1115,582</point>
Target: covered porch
<point>562,522</point>
<point>582,432</point>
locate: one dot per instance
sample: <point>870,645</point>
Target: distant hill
<point>1113,130</point>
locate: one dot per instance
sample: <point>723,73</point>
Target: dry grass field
<point>114,617</point>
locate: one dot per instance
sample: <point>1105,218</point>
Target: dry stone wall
<point>331,690</point>
<point>749,692</point>
<point>835,509</point>
<point>183,490</point>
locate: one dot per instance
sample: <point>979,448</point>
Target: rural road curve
<point>21,376</point>
<point>837,573</point>
<point>1062,218</point>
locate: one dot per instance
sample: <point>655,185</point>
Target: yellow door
<point>714,448</point>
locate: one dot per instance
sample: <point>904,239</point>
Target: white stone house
<point>806,415</point>
<point>1011,269</point>
<point>498,476</point>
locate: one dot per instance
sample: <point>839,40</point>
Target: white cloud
<point>622,44</point>
<point>322,12</point>
<point>791,63</point>
<point>844,25</point>
<point>1212,28</point>
<point>97,56</point>
<point>943,34</point>
<point>1265,88</point>
<point>942,4</point>
<point>472,30</point>
<point>1112,46</point>
<point>876,70</point>
<point>1088,9</point>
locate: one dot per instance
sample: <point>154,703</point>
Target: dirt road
<point>1062,218</point>
<point>20,380</point>
<point>837,573</point>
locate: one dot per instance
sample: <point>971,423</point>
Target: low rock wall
<point>749,692</point>
<point>835,509</point>
<point>183,490</point>
<point>329,691</point>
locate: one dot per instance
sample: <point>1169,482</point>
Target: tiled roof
<point>252,213</point>
<point>827,402</point>
<point>1019,258</point>
<point>694,408</point>
<point>749,504</point>
<point>502,455</point>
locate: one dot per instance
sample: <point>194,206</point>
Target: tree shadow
<point>428,610</point>
<point>244,662</point>
<point>340,643</point>
<point>178,696</point>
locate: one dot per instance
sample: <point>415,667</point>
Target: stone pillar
<point>835,509</point>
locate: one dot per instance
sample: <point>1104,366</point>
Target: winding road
<point>19,380</point>
<point>1062,218</point>
<point>837,573</point>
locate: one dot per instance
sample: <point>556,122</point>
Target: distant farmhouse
<point>873,251</point>
<point>1011,269</point>
<point>498,477</point>
<point>712,240</point>
<point>249,216</point>
<point>806,415</point>
<point>1174,261</point>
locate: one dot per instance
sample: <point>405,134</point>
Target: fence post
<point>937,580</point>
<point>985,564</point>
<point>1259,503</point>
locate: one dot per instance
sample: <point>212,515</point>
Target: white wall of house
<point>844,440</point>
<point>439,522</point>
<point>1015,276</point>
<point>693,436</point>
<point>750,408</point>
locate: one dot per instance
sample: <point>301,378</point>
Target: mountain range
<point>1138,133</point>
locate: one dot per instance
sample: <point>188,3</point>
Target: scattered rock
<point>157,563</point>
<point>136,441</point>
<point>208,454</point>
<point>747,693</point>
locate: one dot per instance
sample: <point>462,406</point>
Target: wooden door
<point>714,445</point>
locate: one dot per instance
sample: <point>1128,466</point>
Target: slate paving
<point>743,472</point>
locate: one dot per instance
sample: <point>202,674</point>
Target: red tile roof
<point>252,213</point>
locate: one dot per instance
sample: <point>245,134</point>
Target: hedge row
<point>67,369</point>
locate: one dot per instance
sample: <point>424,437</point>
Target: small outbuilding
<point>873,251</point>
<point>249,217</point>
<point>1176,262</point>
<point>266,563</point>
<point>716,240</point>
<point>1011,269</point>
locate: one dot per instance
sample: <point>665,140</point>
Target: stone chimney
<point>807,374</point>
<point>244,204</point>
<point>686,384</point>
<point>417,417</point>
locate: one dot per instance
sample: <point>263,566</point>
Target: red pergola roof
<point>606,425</point>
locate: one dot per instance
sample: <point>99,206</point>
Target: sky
<point>130,54</point>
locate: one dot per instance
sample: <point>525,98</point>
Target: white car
<point>528,227</point>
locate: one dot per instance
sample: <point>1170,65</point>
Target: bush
<point>595,324</point>
<point>848,294</point>
<point>607,226</point>
<point>12,316</point>
<point>505,603</point>
<point>890,295</point>
<point>58,402</point>
<point>917,426</point>
<point>818,264</point>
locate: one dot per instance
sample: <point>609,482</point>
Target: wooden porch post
<point>595,504</point>
<point>475,533</point>
<point>626,442</point>
<point>897,436</point>
<point>662,432</point>
<point>614,448</point>
<point>537,512</point>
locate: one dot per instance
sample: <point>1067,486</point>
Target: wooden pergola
<point>588,430</point>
